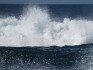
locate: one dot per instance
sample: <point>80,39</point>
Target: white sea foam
<point>36,28</point>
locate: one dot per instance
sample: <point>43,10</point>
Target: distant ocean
<point>46,37</point>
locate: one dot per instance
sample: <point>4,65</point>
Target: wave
<point>35,27</point>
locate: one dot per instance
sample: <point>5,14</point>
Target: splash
<point>36,28</point>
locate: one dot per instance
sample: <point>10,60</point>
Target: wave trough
<point>35,27</point>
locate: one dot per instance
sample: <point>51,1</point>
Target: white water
<point>36,28</point>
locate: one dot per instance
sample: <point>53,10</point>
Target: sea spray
<point>36,28</point>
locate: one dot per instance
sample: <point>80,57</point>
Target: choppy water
<point>49,58</point>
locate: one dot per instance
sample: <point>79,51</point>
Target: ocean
<point>46,37</point>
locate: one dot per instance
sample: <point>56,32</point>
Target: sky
<point>46,1</point>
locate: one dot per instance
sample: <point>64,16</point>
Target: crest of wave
<point>36,28</point>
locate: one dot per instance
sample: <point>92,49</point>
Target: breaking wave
<point>35,27</point>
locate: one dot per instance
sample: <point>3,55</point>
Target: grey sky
<point>46,1</point>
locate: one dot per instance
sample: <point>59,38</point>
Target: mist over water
<point>35,27</point>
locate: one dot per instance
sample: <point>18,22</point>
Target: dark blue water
<point>56,11</point>
<point>49,58</point>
